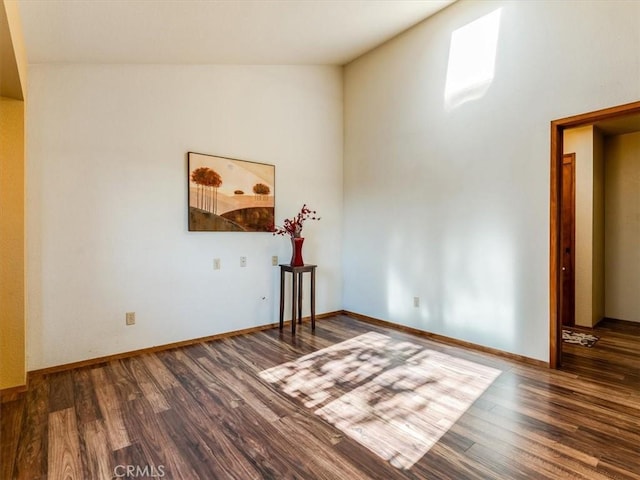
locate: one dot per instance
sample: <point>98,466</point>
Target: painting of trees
<point>207,181</point>
<point>213,182</point>
<point>198,177</point>
<point>222,206</point>
<point>261,189</point>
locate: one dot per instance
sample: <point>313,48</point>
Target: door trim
<point>555,257</point>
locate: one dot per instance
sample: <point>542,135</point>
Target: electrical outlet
<point>131,318</point>
<point>274,260</point>
<point>216,264</point>
<point>243,261</point>
<point>416,302</point>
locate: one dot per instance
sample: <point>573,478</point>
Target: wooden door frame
<point>555,248</point>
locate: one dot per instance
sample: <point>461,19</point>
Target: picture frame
<point>229,195</point>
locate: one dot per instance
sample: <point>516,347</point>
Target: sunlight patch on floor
<point>394,397</point>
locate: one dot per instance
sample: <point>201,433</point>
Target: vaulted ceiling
<point>214,31</point>
<point>9,77</point>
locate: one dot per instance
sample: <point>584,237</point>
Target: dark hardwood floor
<point>210,411</point>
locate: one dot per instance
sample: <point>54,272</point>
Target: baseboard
<point>618,320</point>
<point>8,394</point>
<point>582,328</point>
<point>168,346</point>
<point>599,324</point>
<point>449,340</point>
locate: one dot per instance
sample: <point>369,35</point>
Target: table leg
<point>281,299</point>
<point>313,299</point>
<point>300,297</point>
<point>294,297</point>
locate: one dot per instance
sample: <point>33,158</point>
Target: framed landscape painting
<point>229,195</point>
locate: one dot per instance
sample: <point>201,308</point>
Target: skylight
<point>472,59</point>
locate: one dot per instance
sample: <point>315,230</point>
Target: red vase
<point>296,254</point>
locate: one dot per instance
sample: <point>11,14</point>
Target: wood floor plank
<point>86,403</point>
<point>31,458</point>
<point>122,380</point>
<point>97,459</point>
<point>315,436</point>
<point>327,463</point>
<point>11,418</point>
<point>110,409</point>
<point>151,434</point>
<point>262,433</point>
<point>209,411</point>
<point>508,467</point>
<point>164,378</point>
<point>147,384</point>
<point>132,456</point>
<point>61,395</point>
<point>523,447</point>
<point>264,404</point>
<point>614,470</point>
<point>211,453</point>
<point>446,463</point>
<point>64,460</point>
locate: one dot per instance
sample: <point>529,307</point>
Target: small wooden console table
<point>296,294</point>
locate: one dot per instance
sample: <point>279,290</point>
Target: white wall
<point>107,200</point>
<point>622,227</point>
<point>451,203</point>
<point>598,259</point>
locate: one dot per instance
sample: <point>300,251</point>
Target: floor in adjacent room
<point>352,401</point>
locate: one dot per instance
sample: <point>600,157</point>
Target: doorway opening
<point>558,296</point>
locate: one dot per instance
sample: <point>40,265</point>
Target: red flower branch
<point>293,226</point>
